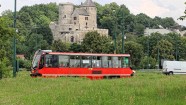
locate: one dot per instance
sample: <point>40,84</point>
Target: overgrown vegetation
<point>145,88</point>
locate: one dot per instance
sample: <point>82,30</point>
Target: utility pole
<point>176,50</point>
<point>158,57</point>
<point>115,34</point>
<point>14,42</point>
<point>123,50</point>
<point>148,52</point>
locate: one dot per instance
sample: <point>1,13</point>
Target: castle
<point>74,23</point>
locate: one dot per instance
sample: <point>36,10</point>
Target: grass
<point>145,88</point>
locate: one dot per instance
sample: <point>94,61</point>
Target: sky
<point>152,8</point>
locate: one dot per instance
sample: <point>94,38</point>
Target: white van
<point>174,67</point>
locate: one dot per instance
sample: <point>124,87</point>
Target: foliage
<point>94,42</point>
<point>60,46</point>
<point>136,52</point>
<point>182,50</point>
<point>5,69</point>
<point>139,29</point>
<point>75,47</point>
<point>24,64</point>
<point>148,63</point>
<point>165,49</point>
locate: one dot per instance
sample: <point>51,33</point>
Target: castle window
<point>86,25</point>
<point>86,18</point>
<point>75,18</point>
<point>64,16</point>
<point>72,39</point>
<point>70,28</point>
<point>74,23</point>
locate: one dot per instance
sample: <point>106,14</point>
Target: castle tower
<point>65,12</point>
<point>65,18</point>
<point>91,9</point>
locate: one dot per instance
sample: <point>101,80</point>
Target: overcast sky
<point>161,8</point>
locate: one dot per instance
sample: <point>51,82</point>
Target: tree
<point>75,47</point>
<point>139,29</point>
<point>60,46</point>
<point>165,50</point>
<point>148,63</point>
<point>34,42</point>
<point>94,42</point>
<point>6,34</point>
<point>182,49</point>
<point>136,52</point>
<point>168,22</point>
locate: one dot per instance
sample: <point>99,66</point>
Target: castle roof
<point>88,3</point>
<point>81,11</point>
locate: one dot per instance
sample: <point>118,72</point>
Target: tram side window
<point>120,62</point>
<point>51,61</point>
<point>86,62</point>
<point>125,62</point>
<point>74,61</point>
<point>104,61</point>
<point>96,61</point>
<point>63,61</point>
<point>109,62</point>
<point>115,62</point>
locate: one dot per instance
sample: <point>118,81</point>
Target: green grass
<point>145,88</point>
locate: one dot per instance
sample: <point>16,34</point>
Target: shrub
<point>5,68</point>
<point>24,64</point>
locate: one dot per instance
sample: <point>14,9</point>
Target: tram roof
<point>87,54</point>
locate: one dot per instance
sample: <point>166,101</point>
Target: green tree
<point>148,63</point>
<point>94,42</point>
<point>6,34</point>
<point>182,49</point>
<point>60,46</point>
<point>75,47</point>
<point>139,29</point>
<point>168,22</point>
<point>136,52</point>
<point>165,50</point>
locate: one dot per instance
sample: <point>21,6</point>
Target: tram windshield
<point>36,61</point>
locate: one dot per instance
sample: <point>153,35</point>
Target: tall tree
<point>136,52</point>
<point>94,42</point>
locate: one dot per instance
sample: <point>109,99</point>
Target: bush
<point>5,68</point>
<point>24,64</point>
<point>144,63</point>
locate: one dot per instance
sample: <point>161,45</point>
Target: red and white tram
<point>48,64</point>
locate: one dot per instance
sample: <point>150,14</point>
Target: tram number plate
<point>96,72</point>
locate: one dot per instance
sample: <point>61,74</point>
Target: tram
<point>91,65</point>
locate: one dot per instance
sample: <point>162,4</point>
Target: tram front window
<point>36,61</point>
